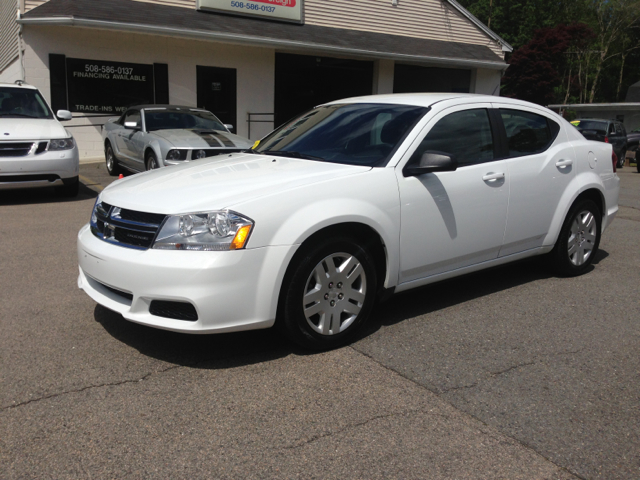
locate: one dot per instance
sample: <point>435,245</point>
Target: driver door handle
<point>564,163</point>
<point>492,177</point>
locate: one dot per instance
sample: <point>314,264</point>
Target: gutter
<point>70,21</point>
<point>505,46</point>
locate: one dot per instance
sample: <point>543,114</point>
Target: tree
<point>538,70</point>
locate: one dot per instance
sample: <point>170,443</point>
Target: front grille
<point>126,295</point>
<point>15,149</point>
<point>127,228</point>
<point>175,310</point>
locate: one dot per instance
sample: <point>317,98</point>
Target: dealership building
<point>254,63</point>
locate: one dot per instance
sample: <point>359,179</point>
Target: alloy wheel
<point>334,293</point>
<point>582,237</point>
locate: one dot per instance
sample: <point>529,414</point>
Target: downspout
<point>20,59</point>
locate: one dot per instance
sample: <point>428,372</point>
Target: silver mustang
<point>153,136</point>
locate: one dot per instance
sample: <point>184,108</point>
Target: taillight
<point>614,159</point>
<point>606,139</point>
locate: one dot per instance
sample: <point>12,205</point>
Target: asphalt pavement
<point>509,373</point>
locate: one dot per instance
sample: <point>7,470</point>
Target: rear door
<point>540,164</point>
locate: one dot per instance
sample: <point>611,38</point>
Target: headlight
<point>61,144</point>
<point>94,213</point>
<point>211,231</point>
<point>199,154</point>
<point>177,154</point>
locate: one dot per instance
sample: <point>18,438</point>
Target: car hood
<point>217,183</point>
<point>194,138</point>
<point>14,129</point>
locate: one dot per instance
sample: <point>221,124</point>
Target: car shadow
<point>441,295</point>
<point>230,350</point>
<point>220,351</point>
<point>34,196</point>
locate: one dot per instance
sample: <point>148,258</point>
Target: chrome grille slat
<point>127,228</point>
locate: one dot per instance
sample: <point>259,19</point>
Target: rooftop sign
<point>287,10</point>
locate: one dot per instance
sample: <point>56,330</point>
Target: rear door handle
<point>564,163</point>
<point>492,177</point>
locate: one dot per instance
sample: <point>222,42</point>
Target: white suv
<point>35,149</point>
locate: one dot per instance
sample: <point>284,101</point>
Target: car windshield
<point>22,103</point>
<point>181,119</point>
<point>592,125</point>
<point>353,134</point>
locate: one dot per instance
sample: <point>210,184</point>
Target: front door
<point>217,92</point>
<point>452,220</point>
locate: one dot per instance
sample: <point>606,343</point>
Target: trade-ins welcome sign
<point>288,10</point>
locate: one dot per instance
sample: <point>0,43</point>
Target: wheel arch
<point>361,233</point>
<point>592,190</point>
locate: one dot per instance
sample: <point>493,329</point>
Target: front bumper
<point>231,291</point>
<point>42,170</point>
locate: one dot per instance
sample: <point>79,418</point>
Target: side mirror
<point>228,126</point>
<point>431,161</point>
<point>132,125</point>
<point>64,115</point>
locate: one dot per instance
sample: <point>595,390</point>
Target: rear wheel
<point>621,158</point>
<point>151,162</point>
<point>329,294</point>
<point>112,163</point>
<point>579,239</point>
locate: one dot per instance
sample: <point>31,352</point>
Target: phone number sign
<point>288,10</point>
<point>96,86</point>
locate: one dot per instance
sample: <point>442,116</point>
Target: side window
<point>612,129</point>
<point>618,129</point>
<point>466,135</point>
<point>527,133</point>
<point>133,116</point>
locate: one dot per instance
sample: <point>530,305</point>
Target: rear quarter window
<point>527,133</point>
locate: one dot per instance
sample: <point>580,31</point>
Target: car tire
<point>328,294</point>
<point>579,239</point>
<point>150,161</point>
<point>70,189</point>
<point>113,168</point>
<point>621,159</point>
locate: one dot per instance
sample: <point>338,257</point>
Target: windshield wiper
<point>290,153</point>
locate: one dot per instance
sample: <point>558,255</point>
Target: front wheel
<point>151,162</point>
<point>113,168</point>
<point>329,294</point>
<point>579,239</point>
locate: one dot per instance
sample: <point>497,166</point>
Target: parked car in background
<point>35,149</point>
<point>633,140</point>
<point>353,200</point>
<point>153,136</point>
<point>608,131</point>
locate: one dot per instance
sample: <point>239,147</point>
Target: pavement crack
<point>350,426</point>
<point>90,387</point>
<point>501,372</point>
<point>461,387</point>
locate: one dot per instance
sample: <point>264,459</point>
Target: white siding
<point>431,19</point>
<point>30,4</point>
<point>8,33</point>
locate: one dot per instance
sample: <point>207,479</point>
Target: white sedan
<point>352,201</point>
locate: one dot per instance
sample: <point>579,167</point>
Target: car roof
<point>18,85</point>
<point>428,99</point>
